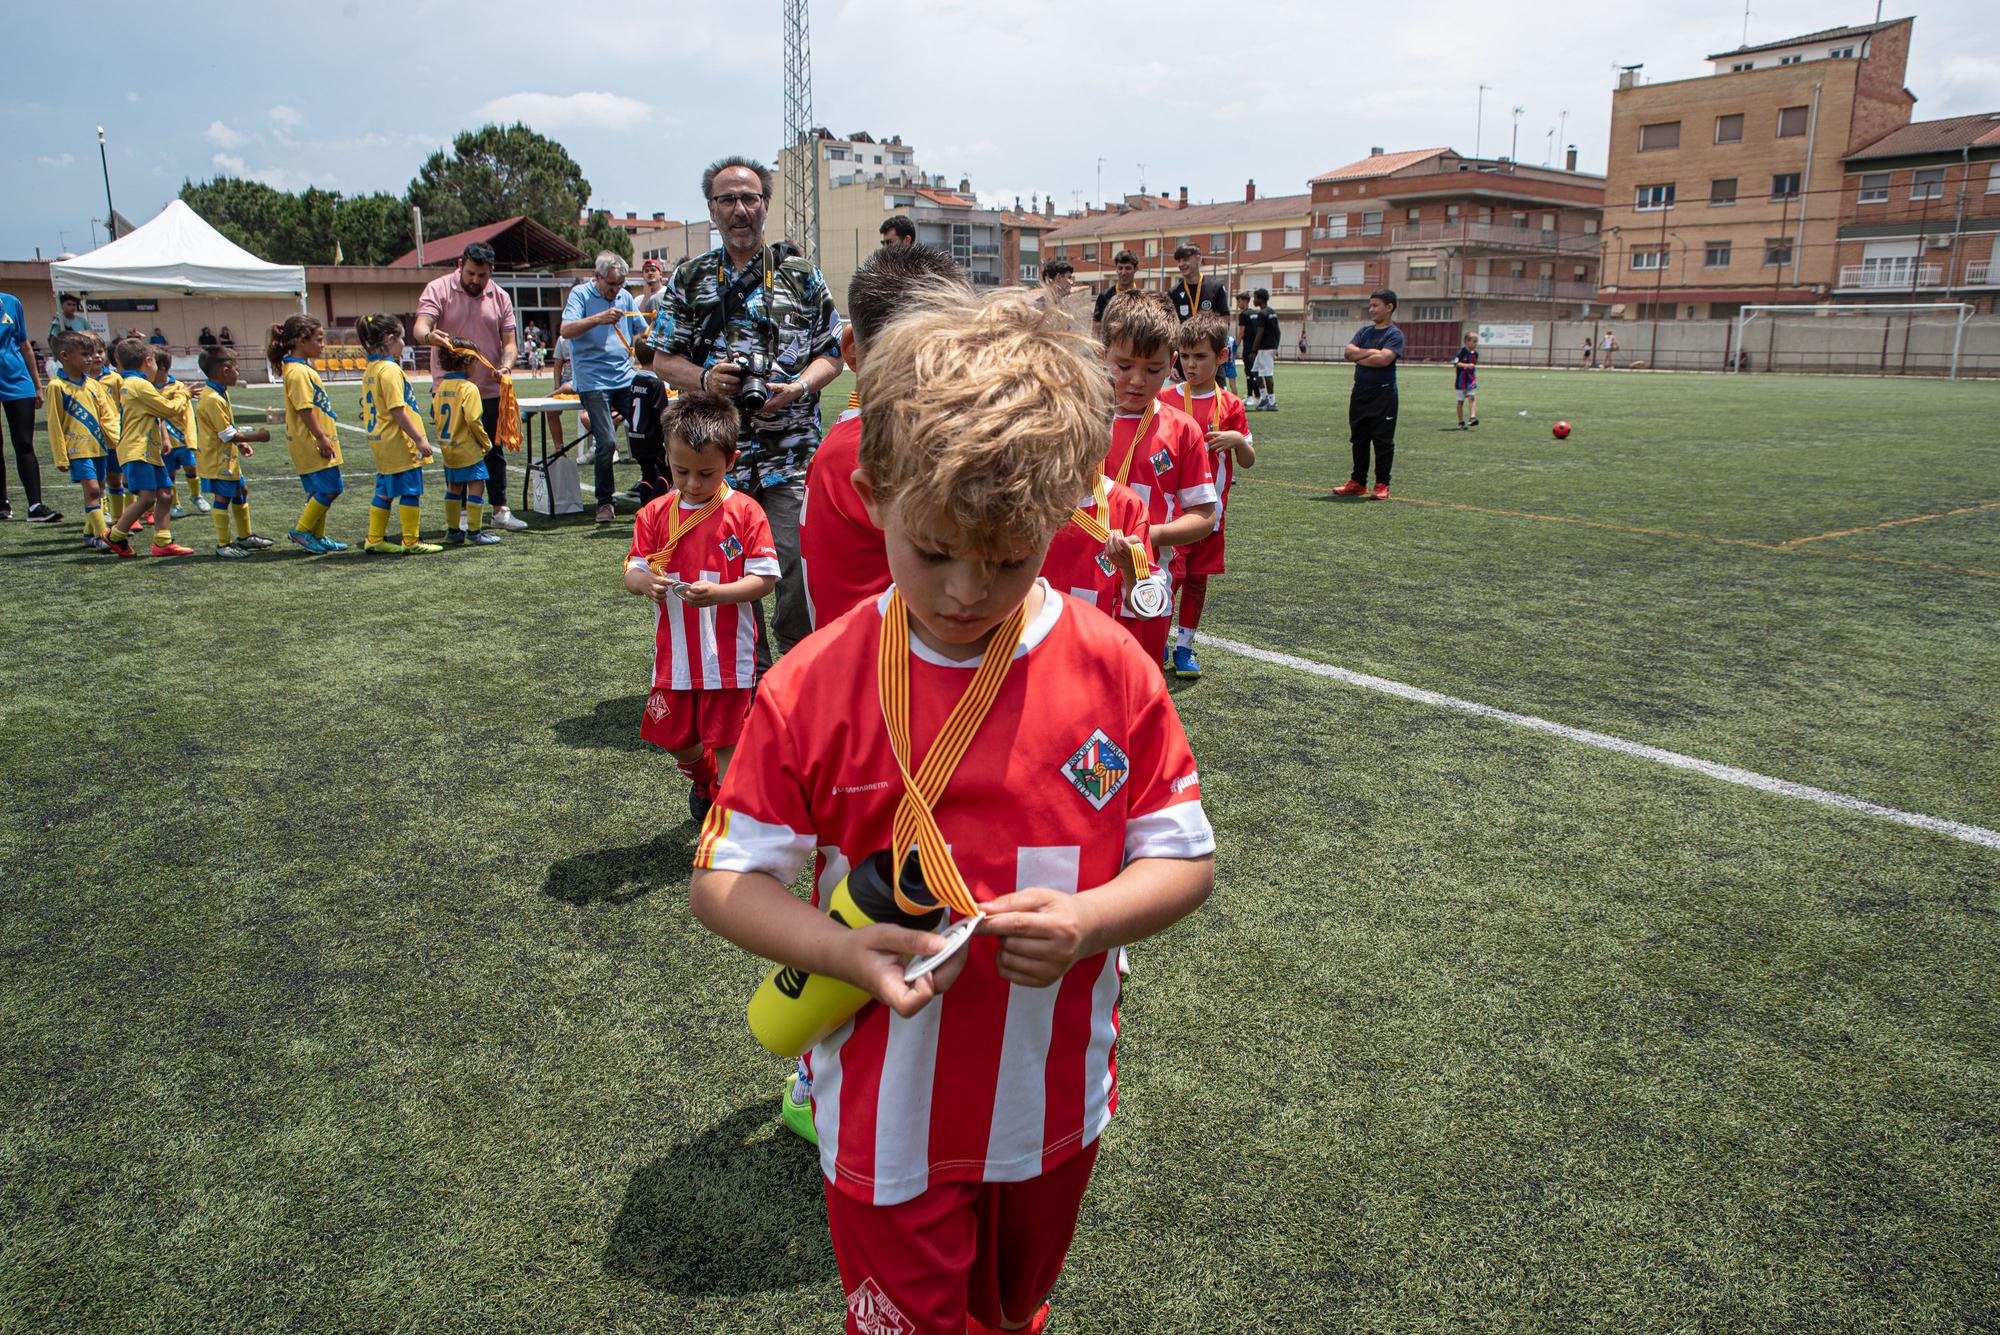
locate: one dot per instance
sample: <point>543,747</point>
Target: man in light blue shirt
<point>599,322</point>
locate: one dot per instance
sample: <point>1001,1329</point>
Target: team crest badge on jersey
<point>1161,460</point>
<point>657,707</point>
<point>1098,769</point>
<point>731,548</point>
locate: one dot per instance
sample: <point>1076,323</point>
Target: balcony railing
<point>1498,235</point>
<point>1976,273</point>
<point>1891,277</point>
<point>1543,289</point>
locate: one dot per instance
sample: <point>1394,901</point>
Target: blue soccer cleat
<point>1185,663</point>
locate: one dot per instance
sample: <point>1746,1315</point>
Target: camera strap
<point>758,271</point>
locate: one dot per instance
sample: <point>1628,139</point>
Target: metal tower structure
<point>802,163</point>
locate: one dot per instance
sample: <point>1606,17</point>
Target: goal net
<point>1914,338</point>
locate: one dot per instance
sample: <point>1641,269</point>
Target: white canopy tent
<point>177,254</point>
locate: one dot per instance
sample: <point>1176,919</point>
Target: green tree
<point>372,229</point>
<point>302,228</point>
<point>496,172</point>
<point>602,234</point>
<point>250,213</point>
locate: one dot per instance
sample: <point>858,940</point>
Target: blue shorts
<point>407,486</point>
<point>325,482</point>
<point>470,473</point>
<point>143,476</point>
<point>86,470</point>
<point>226,488</point>
<point>179,457</point>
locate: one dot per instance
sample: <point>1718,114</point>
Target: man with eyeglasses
<point>747,298</point>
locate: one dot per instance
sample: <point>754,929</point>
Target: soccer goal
<point>1911,338</point>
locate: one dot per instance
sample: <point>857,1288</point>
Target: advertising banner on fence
<point>1507,335</point>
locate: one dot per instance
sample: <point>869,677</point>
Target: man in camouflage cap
<point>741,298</point>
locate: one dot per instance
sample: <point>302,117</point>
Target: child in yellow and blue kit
<point>220,447</point>
<point>147,401</point>
<point>104,380</point>
<point>177,442</point>
<point>395,434</point>
<point>309,429</point>
<point>459,417</point>
<point>78,435</point>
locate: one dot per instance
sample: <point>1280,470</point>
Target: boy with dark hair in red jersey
<point>840,549</point>
<point>1156,450</point>
<point>1204,342</point>
<point>701,552</point>
<point>1056,808</point>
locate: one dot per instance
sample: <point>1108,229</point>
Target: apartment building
<point>862,180</point>
<point>1920,215</point>
<point>1459,239</point>
<point>1250,243</point>
<point>1726,189</point>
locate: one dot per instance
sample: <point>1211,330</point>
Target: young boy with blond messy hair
<point>959,1113</point>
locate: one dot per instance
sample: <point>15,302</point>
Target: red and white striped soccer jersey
<point>1230,416</point>
<point>706,648</point>
<point>843,555</point>
<point>1170,470</point>
<point>1075,563</point>
<point>1080,767</point>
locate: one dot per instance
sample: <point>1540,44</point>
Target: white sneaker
<point>505,519</point>
<point>201,504</point>
<point>177,513</point>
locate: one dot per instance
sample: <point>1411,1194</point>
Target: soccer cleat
<point>1037,1325</point>
<point>254,543</point>
<point>178,512</point>
<point>454,537</point>
<point>699,804</point>
<point>330,545</point>
<point>312,542</point>
<point>6,512</point>
<point>384,548</point>
<point>119,547</point>
<point>232,553</point>
<point>1351,488</point>
<point>171,549</point>
<point>505,519</point>
<point>1473,422</point>
<point>1463,427</point>
<point>421,548</point>
<point>1185,663</point>
<point>93,543</point>
<point>1381,491</point>
<point>484,539</point>
<point>796,1108</point>
<point>202,504</point>
<point>41,514</point>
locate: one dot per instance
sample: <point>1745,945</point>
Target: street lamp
<point>110,213</point>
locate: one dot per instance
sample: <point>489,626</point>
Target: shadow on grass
<point>612,725</point>
<point>620,875</point>
<point>737,1209</point>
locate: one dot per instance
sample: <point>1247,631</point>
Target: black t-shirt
<point>1273,332</point>
<point>1210,296</point>
<point>1104,300</point>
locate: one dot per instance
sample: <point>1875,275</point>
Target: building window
<point>1413,216</point>
<point>1716,255</point>
<point>1648,260</point>
<point>1790,60</point>
<point>1371,224</point>
<point>1666,134</point>
<point>1874,189</point>
<point>1292,278</point>
<point>1842,53</point>
<point>1590,227</point>
<point>1785,185</point>
<point>1294,238</point>
<point>1729,129</point>
<point>1927,183</point>
<point>1255,240</point>
<point>1423,270</point>
<point>1218,244</point>
<point>1580,273</point>
<point>1517,269</point>
<point>1090,253</point>
<point>1722,191</point>
<point>1152,248</point>
<point>1993,179</point>
<point>1777,251</point>
<point>1433,313</point>
<point>1792,122</point>
<point>1742,65</point>
<point>1649,197</point>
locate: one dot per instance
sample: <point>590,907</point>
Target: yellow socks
<point>93,520</point>
<point>312,519</point>
<point>162,535</point>
<point>475,514</point>
<point>240,512</point>
<point>411,518</point>
<point>451,512</point>
<point>378,524</point>
<point>220,514</point>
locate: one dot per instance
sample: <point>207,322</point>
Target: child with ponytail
<point>396,435</point>
<point>309,420</point>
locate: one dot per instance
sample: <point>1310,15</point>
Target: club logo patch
<point>1098,769</point>
<point>657,707</point>
<point>873,1313</point>
<point>731,548</point>
<point>1161,461</point>
<point>1104,564</point>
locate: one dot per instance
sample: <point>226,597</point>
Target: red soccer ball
<point>1561,430</point>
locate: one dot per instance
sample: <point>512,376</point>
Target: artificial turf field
<point>350,983</point>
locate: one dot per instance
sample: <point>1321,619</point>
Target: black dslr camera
<point>753,392</point>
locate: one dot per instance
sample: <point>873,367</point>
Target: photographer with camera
<point>598,321</point>
<point>755,324</point>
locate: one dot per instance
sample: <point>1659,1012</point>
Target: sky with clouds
<point>1023,97</point>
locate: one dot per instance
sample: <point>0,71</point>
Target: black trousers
<point>21,429</point>
<point>496,458</point>
<point>1371,424</point>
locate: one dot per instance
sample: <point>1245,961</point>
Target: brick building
<point>1460,239</point>
<point>1726,189</point>
<point>1920,215</point>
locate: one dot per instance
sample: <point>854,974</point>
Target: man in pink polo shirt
<point>468,304</point>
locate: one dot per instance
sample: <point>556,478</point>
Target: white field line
<point>1763,783</point>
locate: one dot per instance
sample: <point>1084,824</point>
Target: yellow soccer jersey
<point>75,430</point>
<point>304,396</point>
<point>384,388</point>
<point>458,415</point>
<point>107,412</point>
<point>145,408</point>
<point>215,453</point>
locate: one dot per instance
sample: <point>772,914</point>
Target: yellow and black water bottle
<point>793,1009</point>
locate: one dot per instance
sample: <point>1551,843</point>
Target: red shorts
<point>990,1249</point>
<point>1203,558</point>
<point>683,720</point>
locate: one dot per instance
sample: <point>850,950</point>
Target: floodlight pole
<point>110,213</point>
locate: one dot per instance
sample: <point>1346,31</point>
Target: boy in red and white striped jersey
<point>702,552</point>
<point>958,1113</point>
<point>1203,343</point>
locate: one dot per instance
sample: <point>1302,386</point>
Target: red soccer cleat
<point>1036,1325</point>
<point>1381,491</point>
<point>1350,488</point>
<point>172,549</point>
<point>119,547</point>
